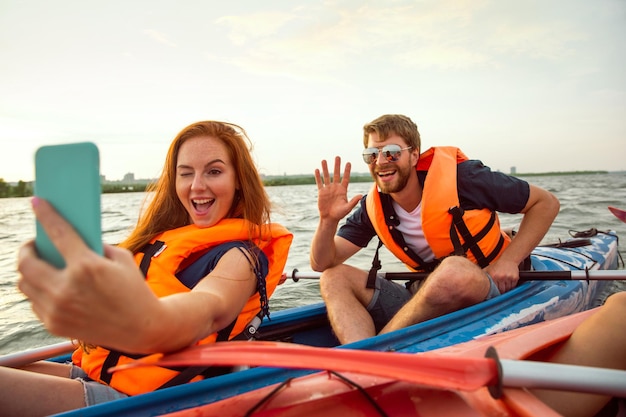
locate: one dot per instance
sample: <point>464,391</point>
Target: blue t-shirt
<point>478,186</point>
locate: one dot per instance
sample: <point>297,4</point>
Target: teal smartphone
<point>68,176</point>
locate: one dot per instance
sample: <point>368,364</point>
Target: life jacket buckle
<point>158,252</point>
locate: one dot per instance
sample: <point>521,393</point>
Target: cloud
<point>444,35</point>
<point>159,37</point>
<point>250,27</point>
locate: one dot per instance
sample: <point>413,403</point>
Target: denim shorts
<point>389,297</point>
<point>95,392</point>
<point>493,289</point>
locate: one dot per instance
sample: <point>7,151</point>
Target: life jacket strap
<point>471,242</point>
<point>111,360</point>
<point>376,265</point>
<point>187,374</point>
<point>149,250</point>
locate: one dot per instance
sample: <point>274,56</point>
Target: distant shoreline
<point>25,189</point>
<point>554,173</point>
<point>365,177</point>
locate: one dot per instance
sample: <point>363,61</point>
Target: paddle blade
<point>432,370</point>
<point>619,213</point>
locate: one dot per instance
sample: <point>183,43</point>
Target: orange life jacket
<point>181,247</point>
<point>448,229</point>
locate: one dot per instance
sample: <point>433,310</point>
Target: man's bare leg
<point>456,283</point>
<point>344,291</point>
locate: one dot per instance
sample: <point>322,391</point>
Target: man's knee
<point>456,270</point>
<point>456,277</point>
<point>335,278</point>
<point>341,280</point>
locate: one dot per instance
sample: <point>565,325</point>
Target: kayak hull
<point>328,393</point>
<point>529,303</point>
<point>355,394</point>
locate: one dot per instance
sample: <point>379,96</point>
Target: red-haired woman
<point>209,259</point>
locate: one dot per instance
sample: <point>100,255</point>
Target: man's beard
<point>402,178</point>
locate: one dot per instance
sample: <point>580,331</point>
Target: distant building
<point>130,177</point>
<point>513,170</point>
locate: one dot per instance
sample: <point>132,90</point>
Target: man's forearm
<point>534,226</point>
<point>322,255</point>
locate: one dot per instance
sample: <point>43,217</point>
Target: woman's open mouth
<point>202,205</point>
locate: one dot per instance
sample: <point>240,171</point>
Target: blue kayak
<point>531,302</point>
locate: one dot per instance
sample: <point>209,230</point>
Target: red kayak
<point>348,393</point>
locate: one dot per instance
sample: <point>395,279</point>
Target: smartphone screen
<point>68,176</point>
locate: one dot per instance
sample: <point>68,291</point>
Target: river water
<point>584,200</point>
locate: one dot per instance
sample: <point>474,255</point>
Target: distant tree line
<point>307,179</point>
<point>22,189</point>
<point>25,189</point>
<point>553,173</point>
<point>124,188</point>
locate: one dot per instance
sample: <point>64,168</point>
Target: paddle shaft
<point>593,275</point>
<point>15,360</point>
<point>575,378</point>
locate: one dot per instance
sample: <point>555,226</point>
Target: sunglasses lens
<point>392,152</point>
<point>370,155</point>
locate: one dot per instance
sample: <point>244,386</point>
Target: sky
<point>539,85</point>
